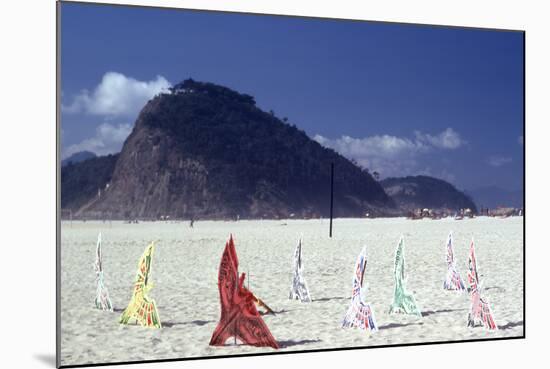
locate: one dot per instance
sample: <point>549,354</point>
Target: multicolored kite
<point>239,317</point>
<point>298,289</point>
<point>480,312</point>
<point>403,301</point>
<point>102,300</point>
<point>453,281</point>
<point>360,313</point>
<point>142,308</point>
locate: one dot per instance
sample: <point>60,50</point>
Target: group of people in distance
<point>240,318</point>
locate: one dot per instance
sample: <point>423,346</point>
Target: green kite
<point>403,301</point>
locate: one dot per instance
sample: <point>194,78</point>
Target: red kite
<point>239,317</point>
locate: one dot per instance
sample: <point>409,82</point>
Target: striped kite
<point>480,312</point>
<point>453,281</point>
<point>102,300</point>
<point>142,308</point>
<point>360,313</point>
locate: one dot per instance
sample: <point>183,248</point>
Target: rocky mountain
<point>206,151</point>
<point>81,182</point>
<point>78,157</point>
<point>419,192</point>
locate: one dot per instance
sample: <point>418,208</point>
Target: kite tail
<point>260,303</point>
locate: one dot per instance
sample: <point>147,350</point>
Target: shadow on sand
<point>330,299</point>
<point>510,325</point>
<point>198,323</point>
<point>397,325</point>
<point>499,289</point>
<point>290,343</point>
<point>282,344</point>
<point>433,312</point>
<point>274,312</point>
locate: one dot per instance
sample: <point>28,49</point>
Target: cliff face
<point>205,151</point>
<point>83,181</point>
<point>419,192</point>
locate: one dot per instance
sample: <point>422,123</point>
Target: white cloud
<point>498,161</point>
<point>107,140</point>
<point>392,155</point>
<point>116,95</point>
<point>448,139</point>
<point>386,145</point>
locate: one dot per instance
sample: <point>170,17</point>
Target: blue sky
<point>399,99</point>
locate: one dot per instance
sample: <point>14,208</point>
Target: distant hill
<point>81,182</point>
<point>206,151</point>
<point>78,157</point>
<point>411,193</point>
<point>493,197</point>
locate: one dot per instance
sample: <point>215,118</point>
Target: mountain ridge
<point>77,157</point>
<point>206,151</point>
<point>419,192</point>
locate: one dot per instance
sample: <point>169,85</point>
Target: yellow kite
<point>142,308</point>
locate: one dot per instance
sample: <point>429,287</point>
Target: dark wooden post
<point>331,197</point>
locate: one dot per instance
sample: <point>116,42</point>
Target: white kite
<point>298,289</point>
<point>453,281</point>
<point>102,300</point>
<point>360,314</point>
<point>480,312</point>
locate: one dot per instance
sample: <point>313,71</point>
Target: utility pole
<point>331,197</point>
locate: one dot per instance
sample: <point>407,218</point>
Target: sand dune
<point>185,283</point>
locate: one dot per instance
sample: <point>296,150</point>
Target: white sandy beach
<point>185,268</point>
